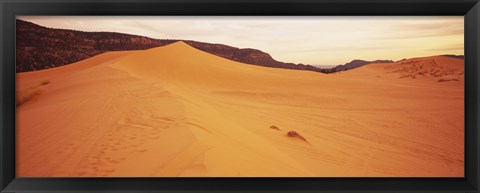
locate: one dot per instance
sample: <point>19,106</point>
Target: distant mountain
<point>454,56</point>
<point>323,66</point>
<point>354,64</point>
<point>248,56</point>
<point>41,48</point>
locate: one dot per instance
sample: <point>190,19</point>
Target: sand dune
<point>178,111</point>
<point>436,68</point>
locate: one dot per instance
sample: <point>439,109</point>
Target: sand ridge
<point>178,111</point>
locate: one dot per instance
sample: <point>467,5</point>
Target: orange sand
<point>178,111</point>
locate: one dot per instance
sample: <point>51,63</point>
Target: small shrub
<point>44,82</point>
<point>294,134</point>
<point>446,80</point>
<point>408,76</point>
<point>274,127</point>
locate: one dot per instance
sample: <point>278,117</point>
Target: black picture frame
<point>470,9</point>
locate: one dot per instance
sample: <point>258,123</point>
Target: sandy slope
<point>178,111</point>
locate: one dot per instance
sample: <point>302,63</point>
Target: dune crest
<point>178,111</point>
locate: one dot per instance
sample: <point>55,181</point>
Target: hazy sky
<point>298,39</point>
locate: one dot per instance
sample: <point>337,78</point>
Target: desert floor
<point>178,111</point>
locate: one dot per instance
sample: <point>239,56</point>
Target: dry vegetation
<point>274,127</point>
<point>294,134</point>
